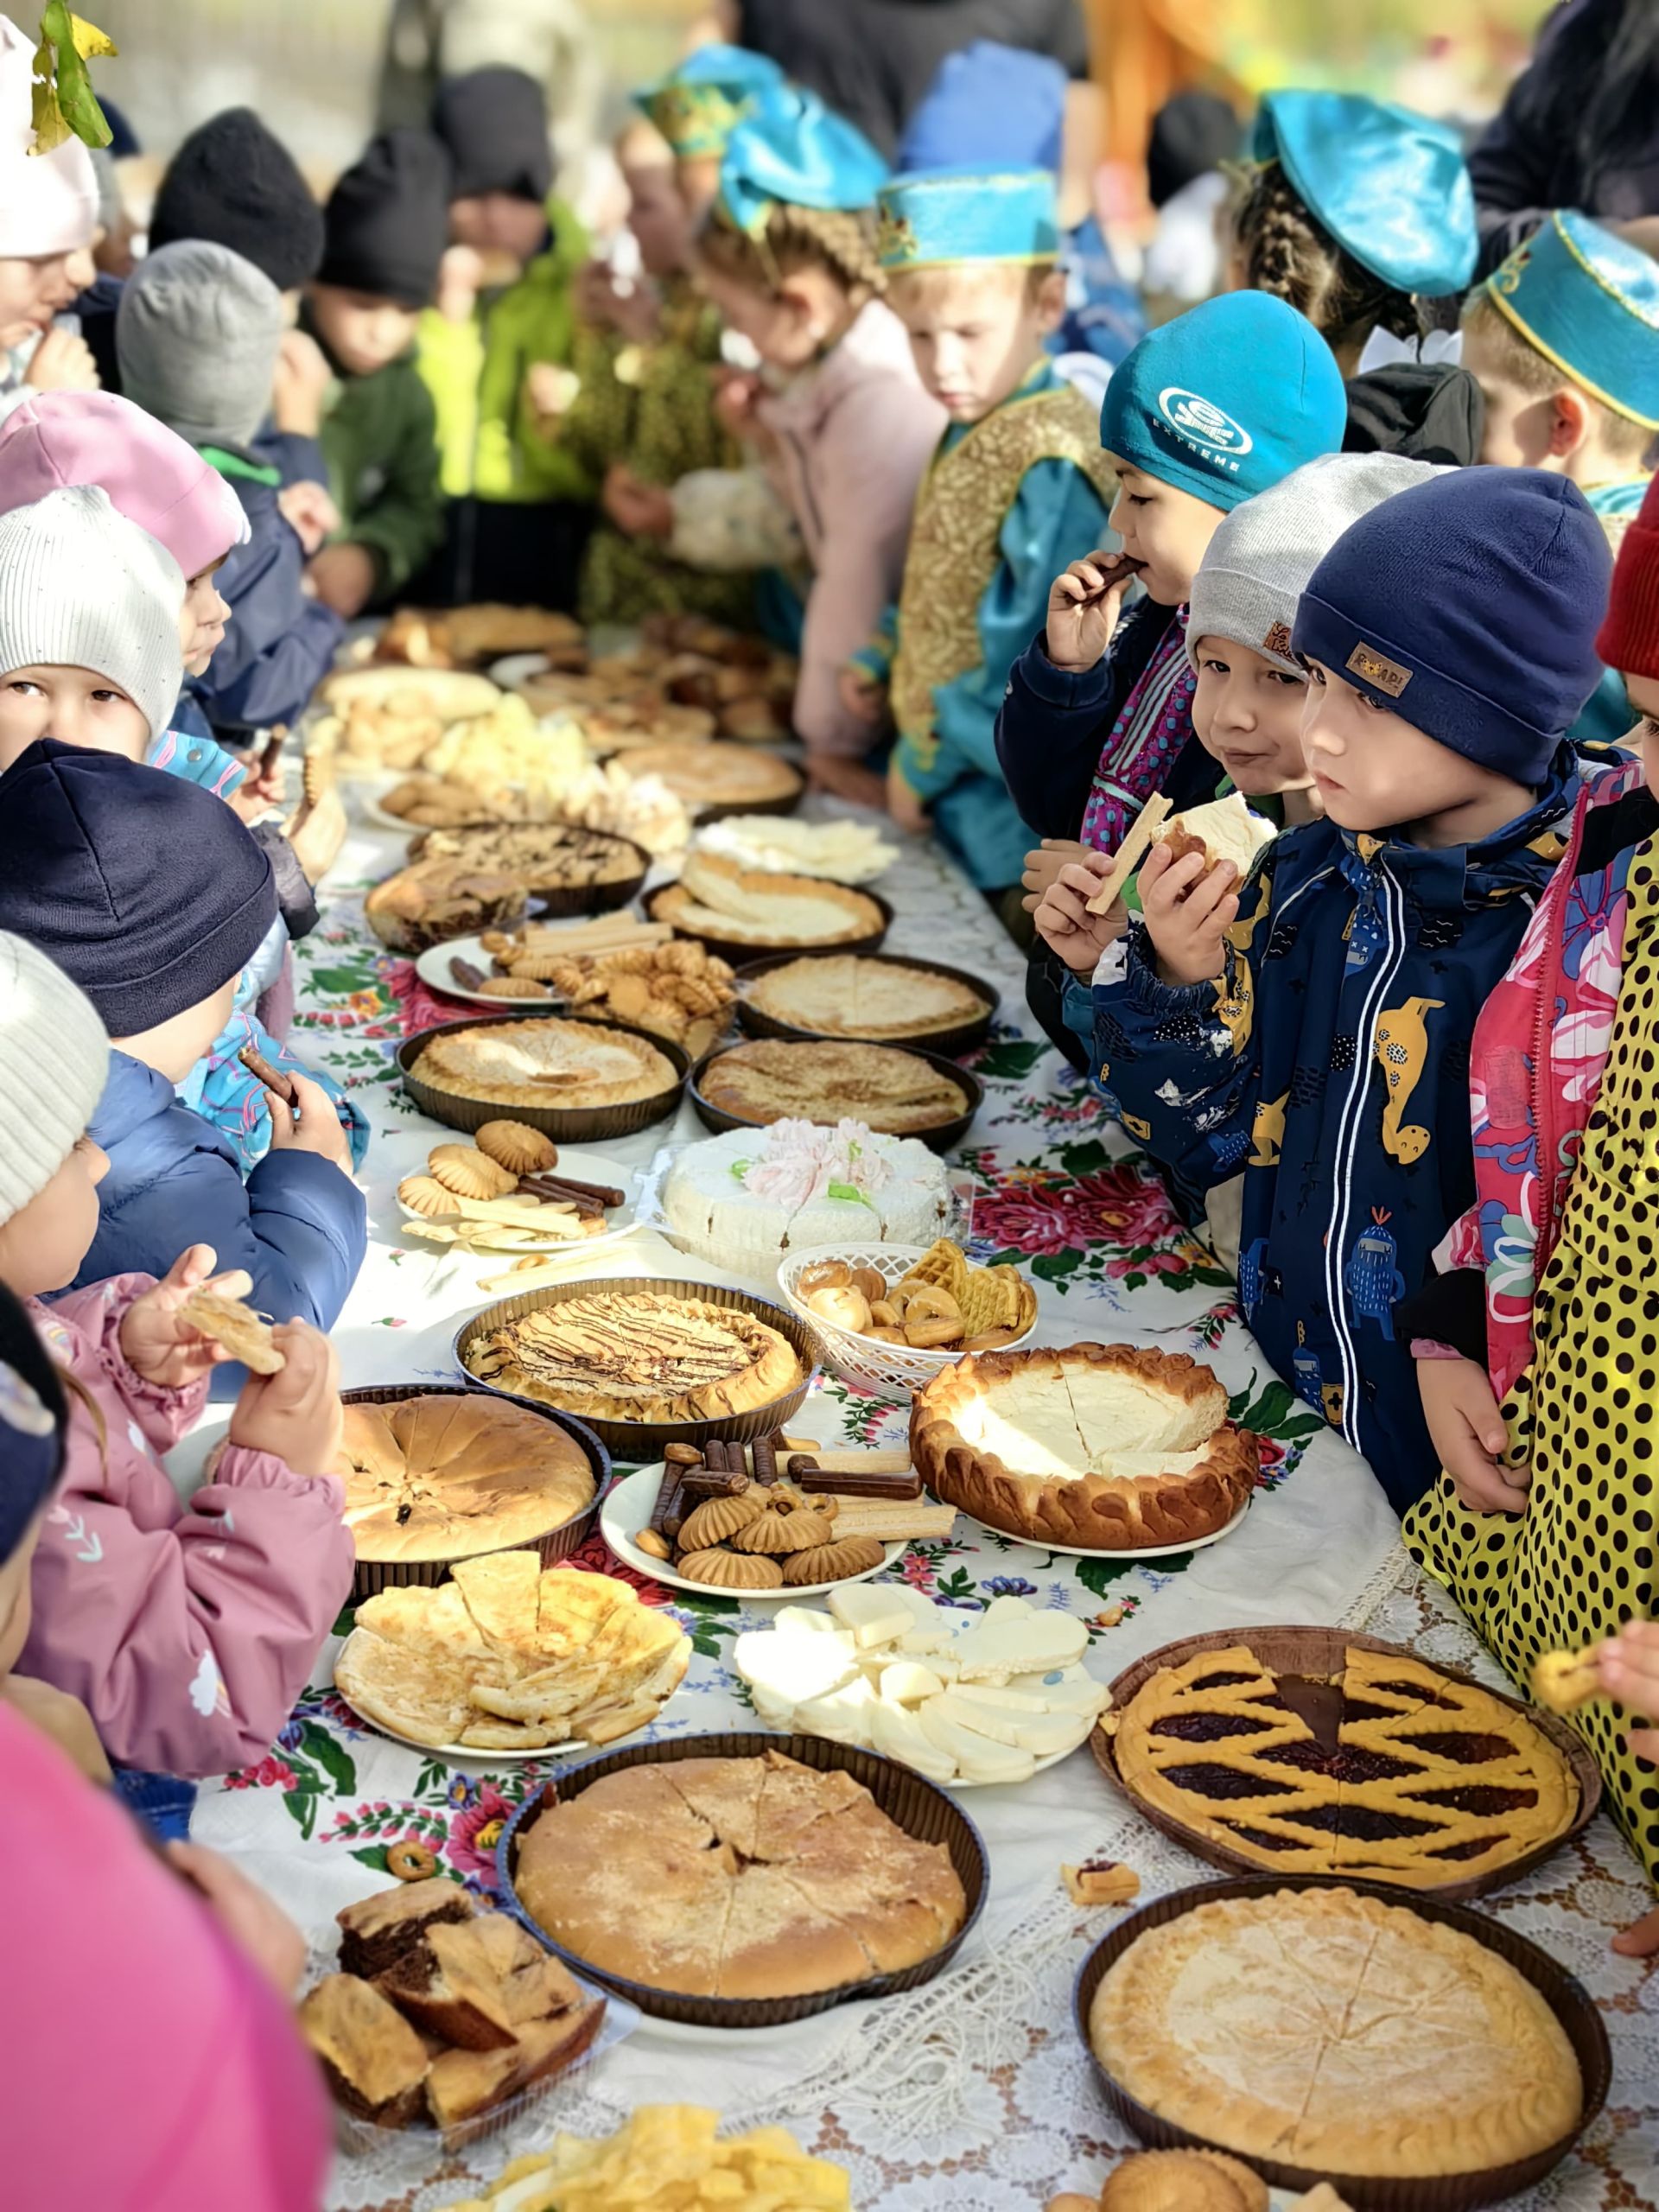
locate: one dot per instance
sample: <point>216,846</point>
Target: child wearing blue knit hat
<point>1312,1024</point>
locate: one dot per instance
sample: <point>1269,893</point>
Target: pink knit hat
<point>48,202</point>
<point>152,477</point>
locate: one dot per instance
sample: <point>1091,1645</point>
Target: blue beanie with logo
<point>1226,399</point>
<point>1469,606</point>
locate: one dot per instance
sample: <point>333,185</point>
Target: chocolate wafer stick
<point>671,1510</point>
<point>566,1186</point>
<point>556,1193</point>
<point>261,1072</point>
<point>895,1488</point>
<point>764,1452</point>
<point>467,975</point>
<point>714,1482</point>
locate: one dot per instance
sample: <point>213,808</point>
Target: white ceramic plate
<point>1095,1551</point>
<point>586,1167</point>
<point>515,669</point>
<point>628,1509</point>
<point>433,969</point>
<point>466,1755</point>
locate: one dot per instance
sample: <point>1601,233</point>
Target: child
<point>186,1634</point>
<point>788,255</point>
<point>1564,339</point>
<point>386,223</point>
<point>197,333</point>
<point>1019,479</point>
<point>153,897</point>
<point>48,213</point>
<point>1313,1025</point>
<point>696,107</point>
<point>1541,1526</point>
<point>1353,210</point>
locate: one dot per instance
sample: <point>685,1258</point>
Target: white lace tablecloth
<point>973,2093</point>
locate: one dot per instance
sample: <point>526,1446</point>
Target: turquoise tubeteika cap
<point>1588,301</point>
<point>935,218</point>
<point>1226,399</point>
<point>793,152</point>
<point>1390,185</point>
<point>697,106</point>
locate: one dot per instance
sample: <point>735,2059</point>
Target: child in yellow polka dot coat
<point>1538,1347</point>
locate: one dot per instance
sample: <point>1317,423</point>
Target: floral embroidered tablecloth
<point>971,2093</point>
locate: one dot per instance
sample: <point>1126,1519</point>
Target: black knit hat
<point>234,184</point>
<point>147,891</point>
<point>1192,133</point>
<point>387,219</point>
<point>494,124</point>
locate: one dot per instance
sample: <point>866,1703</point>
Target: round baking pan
<point>565,1124</point>
<point>1318,1655</point>
<point>936,1140</point>
<point>1566,1996</point>
<point>964,1037</point>
<point>739,951</point>
<point>557,901</point>
<point>373,1576</point>
<point>638,1443</point>
<point>919,1807</point>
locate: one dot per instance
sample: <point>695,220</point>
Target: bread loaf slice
<point>1225,830</point>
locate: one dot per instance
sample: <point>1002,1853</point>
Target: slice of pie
<point>433,900</point>
<point>850,995</point>
<point>1113,1446</point>
<point>773,1079</point>
<point>545,1063</point>
<point>717,897</point>
<point>1323,2028</point>
<point>716,774</point>
<point>447,1476</point>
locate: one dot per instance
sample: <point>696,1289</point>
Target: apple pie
<point>639,1357</point>
<point>715,898</point>
<point>773,1080</point>
<point>1324,2028</point>
<point>842,994</point>
<point>546,1063</point>
<point>736,1878</point>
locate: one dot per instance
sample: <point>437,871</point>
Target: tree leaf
<point>330,1755</point>
<point>301,1809</point>
<point>62,103</point>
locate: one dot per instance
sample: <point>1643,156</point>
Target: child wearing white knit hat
<point>49,216</point>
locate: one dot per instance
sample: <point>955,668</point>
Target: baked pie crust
<point>446,1476</point>
<point>434,900</point>
<point>545,1063</point>
<point>543,855</point>
<point>716,774</point>
<point>844,994</point>
<point>639,1357</point>
<point>715,898</point>
<point>773,1080</point>
<point>1111,1446</point>
<point>1324,2028</point>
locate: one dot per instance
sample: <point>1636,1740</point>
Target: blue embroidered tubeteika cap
<point>995,106</point>
<point>1588,301</point>
<point>939,216</point>
<point>1391,187</point>
<point>792,150</point>
<point>697,106</point>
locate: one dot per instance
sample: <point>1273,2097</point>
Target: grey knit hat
<point>81,587</point>
<point>1256,566</point>
<point>53,1059</point>
<point>197,335</point>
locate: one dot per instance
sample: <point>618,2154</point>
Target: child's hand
<point>1083,604</point>
<point>296,1414</point>
<point>318,1128</point>
<point>863,695</point>
<point>1064,920</point>
<point>301,377</point>
<point>1043,867</point>
<point>1629,1667</point>
<point>1466,1428</point>
<point>311,514</point>
<point>1187,909</point>
<point>848,779</point>
<point>256,1923</point>
<point>640,510</point>
<point>460,273</point>
<point>62,362</point>
<point>54,1712</point>
<point>738,393</point>
<point>906,810</point>
<point>343,577</point>
<point>157,1342</point>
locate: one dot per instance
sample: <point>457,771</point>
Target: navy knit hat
<point>1226,399</point>
<point>234,184</point>
<point>388,220</point>
<point>146,891</point>
<point>1468,605</point>
<point>493,125</point>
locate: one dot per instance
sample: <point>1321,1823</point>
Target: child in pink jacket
<point>187,1631</point>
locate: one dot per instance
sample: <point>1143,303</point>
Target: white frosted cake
<point>748,1198</point>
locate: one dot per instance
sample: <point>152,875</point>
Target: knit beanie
<point>33,1414</point>
<point>54,1057</point>
<point>48,202</point>
<point>387,220</point>
<point>1256,566</point>
<point>148,891</point>
<point>81,587</point>
<point>232,183</point>
<point>1192,134</point>
<point>153,477</point>
<point>1226,399</point>
<point>1468,605</point>
<point>1629,639</point>
<point>494,126</point>
<point>197,335</point>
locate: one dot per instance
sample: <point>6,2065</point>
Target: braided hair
<point>841,240</point>
<point>1286,251</point>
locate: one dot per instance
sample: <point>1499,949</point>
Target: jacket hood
<point>133,1120</point>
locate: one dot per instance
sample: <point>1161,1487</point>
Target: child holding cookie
<point>187,1633</point>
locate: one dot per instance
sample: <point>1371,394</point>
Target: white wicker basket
<point>867,1360</point>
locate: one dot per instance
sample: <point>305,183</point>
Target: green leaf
<point>1098,1574</point>
<point>1085,1159</point>
<point>347,1620</point>
<point>375,1859</point>
<point>849,1191</point>
<point>1278,1412</point>
<point>340,980</point>
<point>331,1755</point>
<point>1055,1266</point>
<point>1010,1063</point>
<point>301,1809</point>
<point>62,103</point>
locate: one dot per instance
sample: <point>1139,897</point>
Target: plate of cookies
<point>893,1315</point>
<point>511,1195</point>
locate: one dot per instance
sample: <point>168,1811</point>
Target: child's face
<point>658,216</point>
<point>787,328</point>
<point>42,1245</point>
<point>498,222</point>
<point>976,332</point>
<point>1376,772</point>
<point>202,619</point>
<point>75,705</point>
<point>697,178</point>
<point>361,330</point>
<point>173,1047</point>
<point>1166,530</point>
<point>1644,697</point>
<point>1248,714</point>
<point>32,292</point>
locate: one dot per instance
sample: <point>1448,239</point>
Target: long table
<point>972,2092</point>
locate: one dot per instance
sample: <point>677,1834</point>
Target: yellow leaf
<point>89,39</point>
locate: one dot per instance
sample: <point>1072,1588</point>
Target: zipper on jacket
<point>1543,1095</point>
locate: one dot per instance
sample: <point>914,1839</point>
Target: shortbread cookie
<point>469,1173</point>
<point>237,1328</point>
<point>518,1148</point>
<point>425,1195</point>
<point>731,1570</point>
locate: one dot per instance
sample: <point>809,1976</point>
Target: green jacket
<point>475,373</point>
<point>380,440</point>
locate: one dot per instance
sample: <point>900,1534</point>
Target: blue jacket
<point>1331,1064</point>
<point>297,1225</point>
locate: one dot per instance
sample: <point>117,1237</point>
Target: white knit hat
<point>53,1060</point>
<point>81,587</point>
<point>48,202</point>
<point>1256,566</point>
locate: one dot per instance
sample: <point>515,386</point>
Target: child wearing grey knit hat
<point>197,336</point>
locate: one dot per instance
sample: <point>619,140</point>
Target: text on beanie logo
<point>1203,423</point>
<point>1278,640</point>
<point>1373,667</point>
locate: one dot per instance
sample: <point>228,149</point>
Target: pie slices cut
<point>855,995</point>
